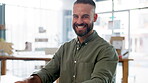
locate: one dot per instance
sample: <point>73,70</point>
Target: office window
<point>103,6</point>
<point>33,20</point>
<point>139,28</point>
<point>68,32</point>
<point>129,4</point>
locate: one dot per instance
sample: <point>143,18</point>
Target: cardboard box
<point>119,43</point>
<point>6,47</point>
<point>2,27</point>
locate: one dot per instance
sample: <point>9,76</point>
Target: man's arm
<point>31,79</point>
<point>105,68</point>
<point>47,74</point>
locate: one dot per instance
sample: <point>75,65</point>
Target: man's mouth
<point>80,27</point>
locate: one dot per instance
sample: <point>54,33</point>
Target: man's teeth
<point>80,26</point>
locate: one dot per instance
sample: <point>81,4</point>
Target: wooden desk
<point>4,58</point>
<point>124,62</point>
<point>24,58</point>
<point>125,65</point>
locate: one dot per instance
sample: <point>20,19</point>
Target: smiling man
<point>85,59</point>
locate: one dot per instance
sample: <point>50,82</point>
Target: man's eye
<point>75,16</point>
<point>85,17</point>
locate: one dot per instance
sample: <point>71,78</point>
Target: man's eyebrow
<point>86,15</point>
<point>74,15</point>
<point>82,15</point>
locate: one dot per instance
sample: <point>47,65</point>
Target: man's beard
<point>88,29</point>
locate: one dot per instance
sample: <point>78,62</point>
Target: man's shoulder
<point>70,42</point>
<point>102,42</point>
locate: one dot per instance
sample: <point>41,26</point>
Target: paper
<point>117,44</point>
<point>6,47</point>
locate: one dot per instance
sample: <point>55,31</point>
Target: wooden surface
<point>23,58</point>
<point>125,66</point>
<point>4,58</point>
<point>3,69</point>
<point>124,62</point>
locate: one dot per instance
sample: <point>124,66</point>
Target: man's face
<point>83,18</point>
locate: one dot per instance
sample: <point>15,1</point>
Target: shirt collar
<point>91,37</point>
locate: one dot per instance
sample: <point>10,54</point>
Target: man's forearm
<point>31,79</point>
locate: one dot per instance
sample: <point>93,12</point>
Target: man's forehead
<point>83,9</point>
<point>83,5</point>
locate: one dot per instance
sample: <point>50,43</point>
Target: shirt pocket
<point>84,71</point>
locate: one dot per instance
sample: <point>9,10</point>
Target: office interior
<point>32,27</point>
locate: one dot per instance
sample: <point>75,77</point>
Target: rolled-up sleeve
<point>50,72</point>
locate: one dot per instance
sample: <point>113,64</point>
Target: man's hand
<point>32,79</point>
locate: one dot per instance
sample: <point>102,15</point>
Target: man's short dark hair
<point>91,2</point>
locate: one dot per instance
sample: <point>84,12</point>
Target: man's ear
<point>95,17</point>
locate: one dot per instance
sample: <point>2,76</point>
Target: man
<point>85,59</point>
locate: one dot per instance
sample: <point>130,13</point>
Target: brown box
<point>118,43</point>
<point>116,38</point>
<point>2,27</point>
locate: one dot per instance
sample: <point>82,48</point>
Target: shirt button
<point>75,61</point>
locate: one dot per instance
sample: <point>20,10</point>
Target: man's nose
<point>79,21</point>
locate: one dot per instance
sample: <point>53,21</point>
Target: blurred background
<point>35,25</point>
